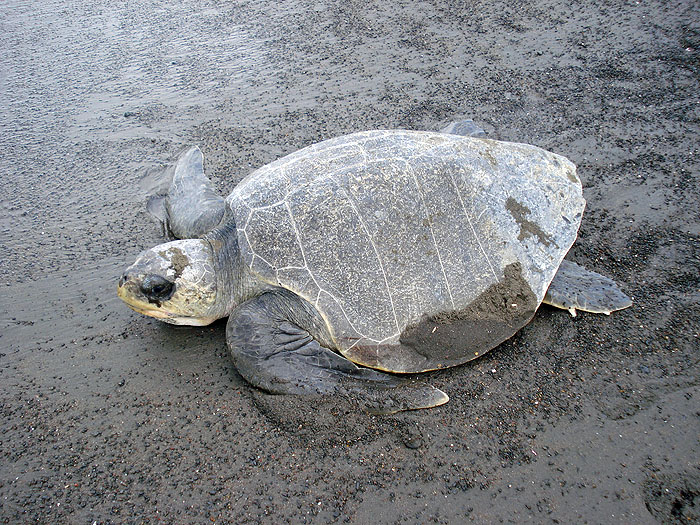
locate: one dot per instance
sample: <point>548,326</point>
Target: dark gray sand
<point>111,417</point>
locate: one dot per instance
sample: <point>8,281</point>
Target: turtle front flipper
<point>576,288</point>
<point>272,346</point>
<point>191,207</point>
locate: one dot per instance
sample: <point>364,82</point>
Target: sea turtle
<point>398,251</point>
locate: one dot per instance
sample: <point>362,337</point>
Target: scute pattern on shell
<point>379,229</point>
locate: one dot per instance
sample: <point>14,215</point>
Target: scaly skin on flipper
<point>191,207</point>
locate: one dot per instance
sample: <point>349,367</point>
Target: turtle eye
<point>157,288</point>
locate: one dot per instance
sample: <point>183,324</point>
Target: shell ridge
<point>376,253</point>
<point>266,207</point>
<point>471,225</point>
<point>340,305</point>
<point>301,246</point>
<point>300,155</point>
<point>250,248</point>
<point>252,261</point>
<point>313,277</point>
<point>432,232</point>
<point>426,154</point>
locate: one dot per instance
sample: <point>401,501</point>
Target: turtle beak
<point>129,291</point>
<point>125,288</point>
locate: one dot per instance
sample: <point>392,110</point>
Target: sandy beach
<point>112,417</point>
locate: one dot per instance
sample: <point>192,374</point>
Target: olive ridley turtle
<point>380,253</point>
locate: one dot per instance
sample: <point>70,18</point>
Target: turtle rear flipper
<point>191,207</point>
<point>465,128</point>
<point>271,345</point>
<point>576,288</point>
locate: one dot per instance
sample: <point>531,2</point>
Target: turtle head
<point>175,282</point>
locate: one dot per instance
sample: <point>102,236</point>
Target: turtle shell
<point>420,249</point>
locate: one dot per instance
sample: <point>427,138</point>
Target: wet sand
<point>110,417</point>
